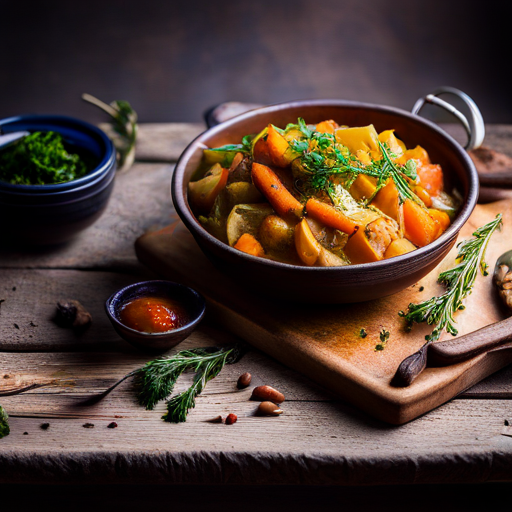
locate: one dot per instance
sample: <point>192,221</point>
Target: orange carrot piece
<point>248,244</point>
<point>420,227</point>
<point>431,178</point>
<point>268,183</point>
<point>328,126</point>
<point>330,216</point>
<point>442,218</point>
<point>279,150</point>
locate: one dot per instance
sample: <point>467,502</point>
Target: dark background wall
<point>174,59</point>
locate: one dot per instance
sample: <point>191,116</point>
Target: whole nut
<point>244,380</point>
<point>265,393</point>
<point>269,409</point>
<point>230,419</point>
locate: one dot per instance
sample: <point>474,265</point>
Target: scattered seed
<point>244,380</point>
<point>421,288</point>
<point>14,288</point>
<point>7,376</point>
<point>25,433</point>
<point>268,409</point>
<point>44,426</point>
<point>112,425</point>
<point>230,419</point>
<point>507,423</point>
<point>267,393</point>
<point>17,326</point>
<point>88,425</point>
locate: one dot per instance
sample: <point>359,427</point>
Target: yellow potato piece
<point>398,247</point>
<point>308,248</point>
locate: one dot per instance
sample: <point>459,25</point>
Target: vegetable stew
<point>322,195</point>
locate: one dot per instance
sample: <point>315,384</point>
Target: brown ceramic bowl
<point>354,283</point>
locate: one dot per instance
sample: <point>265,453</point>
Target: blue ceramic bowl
<point>53,214</point>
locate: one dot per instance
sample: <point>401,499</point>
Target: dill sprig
<point>156,379</point>
<point>4,424</point>
<point>459,282</point>
<point>322,157</point>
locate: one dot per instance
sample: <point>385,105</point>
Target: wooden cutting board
<point>323,342</point>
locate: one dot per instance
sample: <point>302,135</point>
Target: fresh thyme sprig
<point>4,424</point>
<point>155,380</point>
<point>459,282</point>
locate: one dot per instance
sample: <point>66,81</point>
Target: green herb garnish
<point>123,128</point>
<point>363,333</point>
<point>4,424</point>
<point>384,338</point>
<point>40,159</point>
<point>322,157</point>
<point>155,380</point>
<point>459,282</point>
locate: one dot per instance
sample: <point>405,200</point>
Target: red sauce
<point>152,314</point>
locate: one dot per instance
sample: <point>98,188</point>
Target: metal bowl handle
<point>474,126</point>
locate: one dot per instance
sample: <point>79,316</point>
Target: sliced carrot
<point>330,216</point>
<point>279,150</point>
<point>268,183</point>
<point>248,244</point>
<point>420,227</point>
<point>308,248</point>
<point>327,126</point>
<point>398,247</point>
<point>431,178</point>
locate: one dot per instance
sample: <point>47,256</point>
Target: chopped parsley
<point>41,158</point>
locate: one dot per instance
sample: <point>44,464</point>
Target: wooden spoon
<point>445,353</point>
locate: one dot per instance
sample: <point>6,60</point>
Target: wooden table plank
<point>164,142</point>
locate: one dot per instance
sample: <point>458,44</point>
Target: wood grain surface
<point>319,440</point>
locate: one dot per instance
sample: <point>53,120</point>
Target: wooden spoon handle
<point>445,353</point>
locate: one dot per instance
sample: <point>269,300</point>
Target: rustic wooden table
<point>318,441</point>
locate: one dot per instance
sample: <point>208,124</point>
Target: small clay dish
<point>191,302</point>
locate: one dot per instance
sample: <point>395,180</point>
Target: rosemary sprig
<point>459,282</point>
<point>4,424</point>
<point>155,380</point>
<point>124,128</point>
